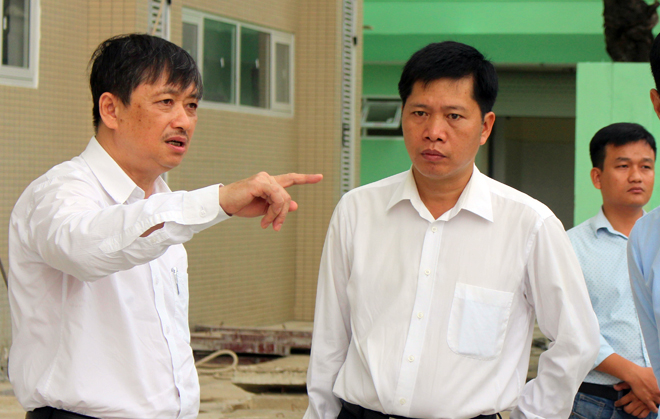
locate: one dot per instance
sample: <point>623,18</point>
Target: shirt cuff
<point>604,351</point>
<point>203,205</point>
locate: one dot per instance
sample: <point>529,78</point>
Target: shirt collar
<point>600,221</point>
<point>474,198</point>
<point>112,177</point>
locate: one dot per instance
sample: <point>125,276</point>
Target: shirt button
<point>411,358</point>
<point>202,212</point>
<point>420,315</point>
<point>167,330</point>
<point>427,272</point>
<point>434,229</point>
<point>156,281</point>
<point>402,401</point>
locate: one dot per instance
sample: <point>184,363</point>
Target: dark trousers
<point>52,413</point>
<point>353,411</point>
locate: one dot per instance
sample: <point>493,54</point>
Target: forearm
<point>77,235</point>
<point>618,366</point>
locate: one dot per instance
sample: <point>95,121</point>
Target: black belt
<point>362,413</point>
<point>52,413</point>
<point>600,390</point>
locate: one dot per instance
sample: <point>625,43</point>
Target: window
<point>381,117</point>
<point>159,18</point>
<point>244,67</point>
<point>19,39</point>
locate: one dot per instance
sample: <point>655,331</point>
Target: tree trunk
<point>628,25</point>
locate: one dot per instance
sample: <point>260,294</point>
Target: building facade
<point>274,93</point>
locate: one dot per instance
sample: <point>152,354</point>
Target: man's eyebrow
<point>448,107</point>
<point>175,91</point>
<point>627,159</point>
<point>418,105</point>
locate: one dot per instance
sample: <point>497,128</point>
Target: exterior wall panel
<point>42,127</point>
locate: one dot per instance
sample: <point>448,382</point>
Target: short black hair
<point>618,134</point>
<point>451,60</point>
<point>120,64</point>
<point>654,58</point>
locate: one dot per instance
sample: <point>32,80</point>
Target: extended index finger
<point>291,179</point>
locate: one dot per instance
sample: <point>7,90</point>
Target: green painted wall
<point>608,93</point>
<point>536,31</point>
<point>381,158</point>
<point>381,80</point>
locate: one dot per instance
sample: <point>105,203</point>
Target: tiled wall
<point>319,132</point>
<point>240,275</point>
<point>52,123</point>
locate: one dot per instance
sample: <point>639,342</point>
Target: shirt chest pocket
<point>478,321</point>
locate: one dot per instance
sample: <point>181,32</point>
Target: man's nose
<point>635,174</point>
<point>436,128</point>
<point>182,120</point>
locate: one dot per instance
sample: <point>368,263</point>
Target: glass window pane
<point>218,68</point>
<point>381,114</point>
<point>190,39</point>
<point>15,32</point>
<point>282,76</point>
<point>255,55</point>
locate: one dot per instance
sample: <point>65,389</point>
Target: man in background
<point>623,159</point>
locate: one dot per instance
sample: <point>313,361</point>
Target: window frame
<point>274,108</point>
<point>366,108</point>
<point>394,135</point>
<point>25,77</point>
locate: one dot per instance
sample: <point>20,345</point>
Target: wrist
<point>631,374</point>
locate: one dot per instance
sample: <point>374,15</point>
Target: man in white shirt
<point>430,279</point>
<point>98,283</point>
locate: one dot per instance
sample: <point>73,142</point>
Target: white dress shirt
<point>433,318</point>
<point>100,314</point>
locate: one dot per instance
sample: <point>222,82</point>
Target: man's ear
<point>655,99</point>
<point>595,177</point>
<point>108,107</point>
<point>487,127</point>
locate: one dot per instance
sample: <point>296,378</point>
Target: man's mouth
<point>432,155</point>
<point>177,140</point>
